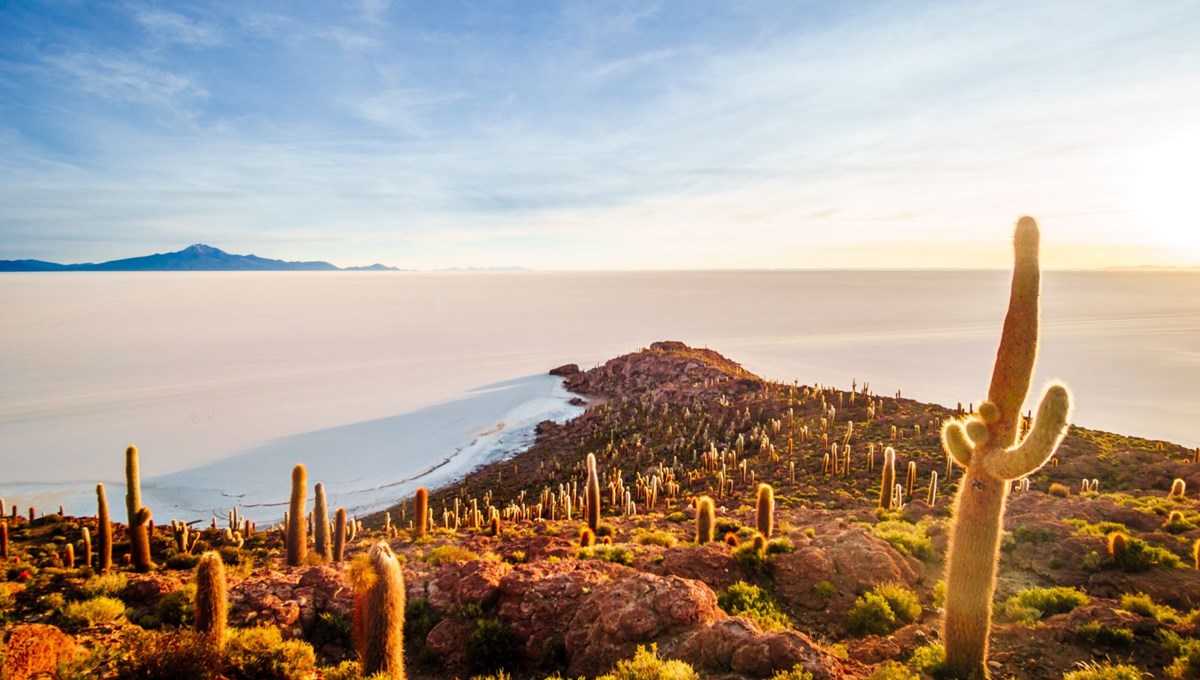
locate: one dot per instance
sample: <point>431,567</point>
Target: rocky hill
<point>846,583</point>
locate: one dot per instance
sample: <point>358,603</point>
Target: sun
<point>1164,194</point>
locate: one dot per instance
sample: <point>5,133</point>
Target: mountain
<point>198,257</point>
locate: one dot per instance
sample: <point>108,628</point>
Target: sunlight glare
<point>1163,183</point>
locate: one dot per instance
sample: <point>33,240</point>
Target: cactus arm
<point>1047,433</point>
<point>954,439</point>
<point>1017,353</point>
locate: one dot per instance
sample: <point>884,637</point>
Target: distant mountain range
<point>198,257</point>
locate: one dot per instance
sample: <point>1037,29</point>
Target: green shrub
<point>1033,604</point>
<point>446,554</point>
<point>797,673</point>
<point>677,517</point>
<point>825,589</point>
<point>1100,634</point>
<point>346,670</point>
<point>891,670</point>
<point>1103,671</point>
<point>645,665</point>
<point>752,560</point>
<point>96,611</point>
<point>928,659</point>
<point>105,585</point>
<point>939,593</point>
<point>419,619</point>
<point>1141,556</point>
<point>262,654</point>
<point>871,614</point>
<point>176,608</point>
<point>332,628</point>
<point>664,538</point>
<point>780,545</point>
<point>490,646</point>
<point>743,599</point>
<point>183,561</point>
<point>174,655</point>
<point>608,553</point>
<point>907,538</point>
<point>1186,652</point>
<point>903,601</point>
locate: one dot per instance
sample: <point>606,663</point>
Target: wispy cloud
<point>176,27</point>
<point>120,78</point>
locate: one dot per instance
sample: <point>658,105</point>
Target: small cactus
<point>587,537</point>
<point>494,526</point>
<point>379,614</point>
<point>765,510</point>
<point>1118,544</point>
<point>931,497</point>
<point>211,604</point>
<point>297,536</point>
<point>705,520</point>
<point>421,513</point>
<point>1178,489</point>
<point>3,539</point>
<point>87,547</point>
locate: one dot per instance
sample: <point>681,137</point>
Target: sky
<point>602,135</point>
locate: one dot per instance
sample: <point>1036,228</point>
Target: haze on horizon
<point>622,135</point>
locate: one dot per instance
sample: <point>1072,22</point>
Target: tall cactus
<point>139,516</point>
<point>593,493</point>
<point>297,534</point>
<point>985,444</point>
<point>706,522</point>
<point>212,603</point>
<point>421,513</point>
<point>339,535</point>
<point>321,543</point>
<point>765,510</point>
<point>379,614</point>
<point>888,482</point>
<point>103,531</point>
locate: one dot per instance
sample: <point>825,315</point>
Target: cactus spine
<point>103,530</point>
<point>339,535</point>
<point>421,513</point>
<point>593,493</point>
<point>379,615</point>
<point>211,605</point>
<point>888,483</point>
<point>765,515</point>
<point>297,537</point>
<point>705,520</point>
<point>321,541</point>
<point>986,446</point>
<point>139,535</point>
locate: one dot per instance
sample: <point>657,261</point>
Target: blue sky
<point>585,135</point>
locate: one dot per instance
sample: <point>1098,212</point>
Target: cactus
<point>103,530</point>
<point>587,538</point>
<point>910,480</point>
<point>886,493</point>
<point>494,526</point>
<point>931,497</point>
<point>765,515</point>
<point>379,614</point>
<point>705,520</point>
<point>1196,554</point>
<point>421,513</point>
<point>986,446</point>
<point>339,535</point>
<point>139,535</point>
<point>69,556</point>
<point>3,539</point>
<point>87,547</point>
<point>1178,489</point>
<point>211,603</point>
<point>1118,544</point>
<point>321,542</point>
<point>297,537</point>
<point>593,493</point>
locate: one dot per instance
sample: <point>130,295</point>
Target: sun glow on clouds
<point>624,135</point>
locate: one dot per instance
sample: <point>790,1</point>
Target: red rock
<point>145,590</point>
<point>447,640</point>
<point>638,610</point>
<point>565,370</point>
<point>35,650</point>
<point>474,582</point>
<point>538,601</point>
<point>711,564</point>
<point>783,650</point>
<point>712,648</point>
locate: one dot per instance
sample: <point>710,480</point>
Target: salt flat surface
<point>225,380</point>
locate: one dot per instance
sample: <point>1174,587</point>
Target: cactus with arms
<point>139,516</point>
<point>986,446</point>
